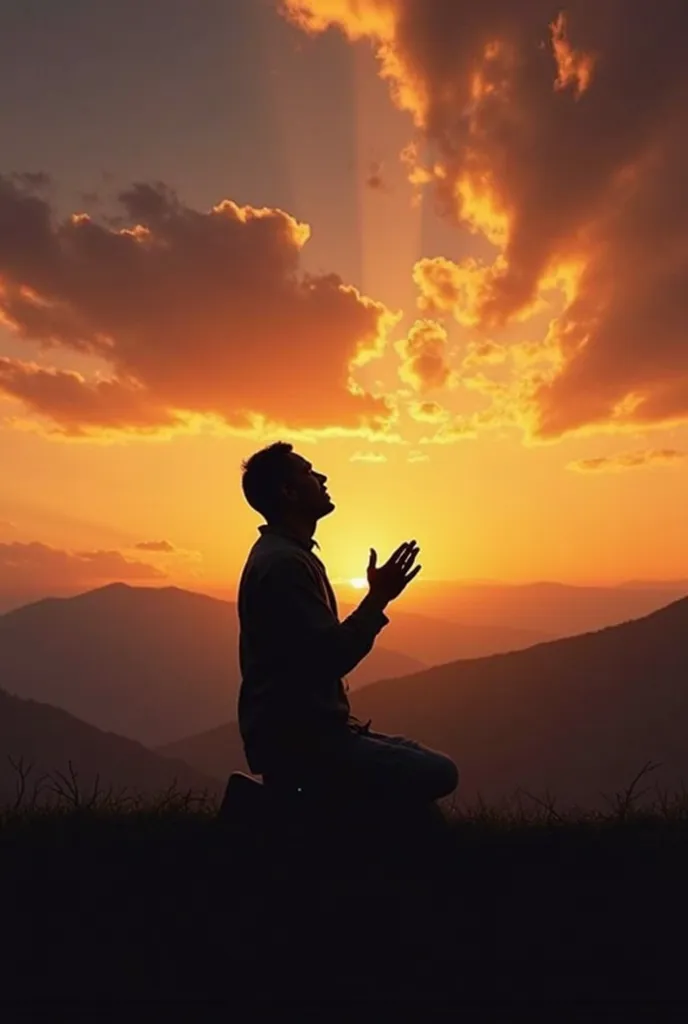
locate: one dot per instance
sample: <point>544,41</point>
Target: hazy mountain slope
<point>575,716</point>
<point>49,738</point>
<point>555,609</point>
<point>218,751</point>
<point>150,663</point>
<point>143,662</point>
<point>435,640</point>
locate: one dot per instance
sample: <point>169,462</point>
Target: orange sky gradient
<point>458,291</point>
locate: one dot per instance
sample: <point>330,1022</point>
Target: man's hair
<point>264,475</point>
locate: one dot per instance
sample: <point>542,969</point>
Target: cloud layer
<point>560,137</point>
<point>195,313</point>
<point>629,460</point>
<point>36,566</point>
<point>157,546</point>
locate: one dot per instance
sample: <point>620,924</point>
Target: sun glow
<point>358,582</point>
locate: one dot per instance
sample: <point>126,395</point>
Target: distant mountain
<point>49,738</point>
<point>576,716</point>
<point>143,662</point>
<point>151,663</point>
<point>435,641</point>
<point>668,586</point>
<point>218,750</point>
<point>555,609</point>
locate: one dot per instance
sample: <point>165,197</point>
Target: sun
<point>358,582</point>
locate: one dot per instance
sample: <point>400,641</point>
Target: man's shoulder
<point>273,552</point>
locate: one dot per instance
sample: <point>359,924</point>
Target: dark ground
<point>490,916</point>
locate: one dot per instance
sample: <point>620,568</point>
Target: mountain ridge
<point>146,662</point>
<point>573,716</point>
<point>50,740</point>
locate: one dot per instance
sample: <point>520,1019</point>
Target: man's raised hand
<point>390,579</point>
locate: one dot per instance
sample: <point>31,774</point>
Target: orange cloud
<point>486,352</point>
<point>460,428</point>
<point>162,546</point>
<point>564,142</point>
<point>427,412</point>
<point>195,315</point>
<point>38,566</point>
<point>424,358</point>
<point>77,405</point>
<point>455,288</point>
<point>574,68</point>
<point>629,460</point>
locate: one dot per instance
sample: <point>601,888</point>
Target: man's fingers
<point>396,555</point>
<point>411,575</point>
<point>409,558</point>
<point>414,572</point>
<point>372,561</point>
<point>402,551</point>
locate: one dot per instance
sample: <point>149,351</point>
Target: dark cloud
<point>35,181</point>
<point>162,546</point>
<point>559,132</point>
<point>375,178</point>
<point>195,314</point>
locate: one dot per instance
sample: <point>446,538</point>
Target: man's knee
<point>445,775</point>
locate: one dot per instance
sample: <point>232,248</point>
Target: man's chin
<point>327,507</point>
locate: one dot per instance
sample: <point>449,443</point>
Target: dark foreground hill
<point>51,742</point>
<point>576,716</point>
<point>136,910</point>
<point>150,663</point>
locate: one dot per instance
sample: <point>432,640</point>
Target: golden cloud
<point>427,412</point>
<point>480,353</point>
<point>424,357</point>
<point>564,142</point>
<point>368,457</point>
<point>629,460</point>
<point>460,428</point>
<point>196,315</point>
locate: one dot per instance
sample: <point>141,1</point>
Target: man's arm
<point>300,622</point>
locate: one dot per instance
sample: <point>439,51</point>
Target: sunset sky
<point>440,245</point>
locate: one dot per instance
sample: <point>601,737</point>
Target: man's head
<point>284,487</point>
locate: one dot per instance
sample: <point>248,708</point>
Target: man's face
<point>306,491</point>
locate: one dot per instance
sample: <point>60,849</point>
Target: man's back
<point>290,695</point>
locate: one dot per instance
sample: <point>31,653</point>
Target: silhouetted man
<point>294,713</point>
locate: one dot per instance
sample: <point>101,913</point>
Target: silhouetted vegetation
<point>106,897</point>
